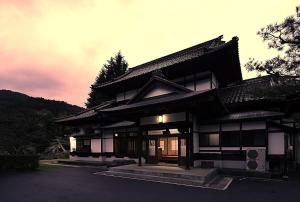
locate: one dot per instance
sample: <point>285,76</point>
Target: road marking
<point>261,179</point>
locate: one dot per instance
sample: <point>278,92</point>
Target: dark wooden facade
<point>192,88</point>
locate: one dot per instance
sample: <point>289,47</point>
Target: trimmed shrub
<point>19,162</point>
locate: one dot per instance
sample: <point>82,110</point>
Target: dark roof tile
<point>171,59</point>
<point>260,88</point>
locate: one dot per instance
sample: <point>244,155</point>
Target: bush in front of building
<point>19,162</point>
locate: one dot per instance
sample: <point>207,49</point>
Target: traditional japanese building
<point>192,108</point>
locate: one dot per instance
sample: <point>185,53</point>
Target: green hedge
<point>19,162</point>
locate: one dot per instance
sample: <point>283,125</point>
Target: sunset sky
<point>55,48</point>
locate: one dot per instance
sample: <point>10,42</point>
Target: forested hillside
<point>27,123</point>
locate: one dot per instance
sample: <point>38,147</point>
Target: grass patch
<point>45,167</point>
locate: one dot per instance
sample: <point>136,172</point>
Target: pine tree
<point>285,38</point>
<point>113,68</point>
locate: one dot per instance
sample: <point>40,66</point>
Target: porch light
<point>116,134</point>
<point>160,119</point>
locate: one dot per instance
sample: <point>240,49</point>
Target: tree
<point>285,38</point>
<point>113,68</point>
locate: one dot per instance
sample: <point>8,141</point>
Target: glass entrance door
<point>182,151</point>
<point>152,150</point>
<point>168,149</point>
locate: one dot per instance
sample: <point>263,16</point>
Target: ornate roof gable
<point>158,86</point>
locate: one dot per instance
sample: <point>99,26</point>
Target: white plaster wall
<point>276,143</point>
<point>130,94</point>
<point>174,117</point>
<point>149,120</point>
<point>209,148</point>
<point>209,128</point>
<point>166,118</point>
<point>230,126</point>
<point>158,91</point>
<point>253,125</point>
<point>95,145</point>
<point>230,148</point>
<point>203,84</point>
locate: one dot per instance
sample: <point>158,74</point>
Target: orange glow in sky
<point>55,48</point>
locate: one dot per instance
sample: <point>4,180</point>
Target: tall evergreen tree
<point>113,68</point>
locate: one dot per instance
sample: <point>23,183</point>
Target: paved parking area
<point>80,184</point>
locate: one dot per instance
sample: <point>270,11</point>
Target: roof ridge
<point>169,56</point>
<point>244,82</point>
<point>178,52</point>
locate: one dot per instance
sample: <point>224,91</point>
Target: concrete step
<point>165,174</point>
<point>154,178</point>
<point>218,182</point>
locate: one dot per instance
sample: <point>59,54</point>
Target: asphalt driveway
<point>80,184</point>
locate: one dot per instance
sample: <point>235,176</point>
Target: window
<point>209,139</point>
<point>254,138</point>
<point>87,142</point>
<point>83,145</point>
<point>231,139</point>
<point>125,144</point>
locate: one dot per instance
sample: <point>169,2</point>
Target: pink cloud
<point>31,80</point>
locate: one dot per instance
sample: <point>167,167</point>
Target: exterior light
<point>160,119</point>
<point>116,134</point>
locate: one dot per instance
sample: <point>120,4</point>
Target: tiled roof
<point>119,124</point>
<point>260,88</point>
<point>85,113</point>
<point>250,115</point>
<point>174,58</point>
<point>162,100</point>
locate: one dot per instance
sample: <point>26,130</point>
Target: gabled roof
<point>260,88</point>
<point>151,84</point>
<point>172,59</point>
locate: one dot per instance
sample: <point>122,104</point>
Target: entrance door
<point>152,150</point>
<point>168,149</point>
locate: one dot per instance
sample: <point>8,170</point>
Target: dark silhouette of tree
<point>285,38</point>
<point>113,68</point>
<point>27,123</point>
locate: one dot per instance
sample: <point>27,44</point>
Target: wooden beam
<point>140,142</point>
<point>187,136</point>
